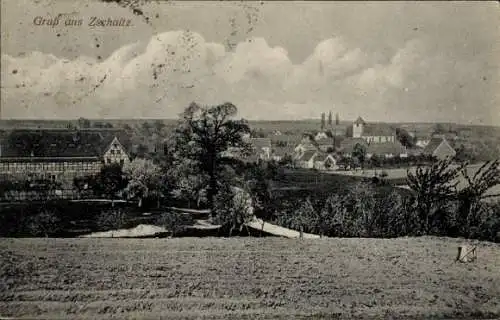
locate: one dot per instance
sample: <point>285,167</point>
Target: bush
<point>234,208</point>
<point>487,223</point>
<point>365,213</point>
<point>305,217</point>
<point>46,223</point>
<point>175,222</point>
<point>111,219</point>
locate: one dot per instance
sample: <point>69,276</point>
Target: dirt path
<point>276,230</point>
<point>146,230</point>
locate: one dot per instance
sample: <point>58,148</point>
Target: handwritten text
<point>93,22</point>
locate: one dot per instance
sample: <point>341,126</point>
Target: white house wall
<point>444,150</point>
<point>116,153</point>
<point>357,130</point>
<point>378,139</point>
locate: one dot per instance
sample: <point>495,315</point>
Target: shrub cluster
<point>363,213</point>
<point>175,222</point>
<point>112,219</point>
<point>359,213</point>
<point>233,208</point>
<point>30,222</point>
<point>434,207</point>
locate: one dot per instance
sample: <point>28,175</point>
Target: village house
<point>440,148</point>
<point>306,159</point>
<point>280,152</point>
<point>420,133</point>
<point>415,151</point>
<point>261,147</point>
<point>277,133</point>
<point>284,146</point>
<point>377,139</point>
<point>115,153</point>
<point>260,150</point>
<point>387,150</point>
<point>422,142</point>
<point>59,155</point>
<point>231,152</point>
<point>324,144</point>
<point>337,130</point>
<point>450,136</point>
<point>313,159</point>
<point>320,135</point>
<point>325,161</point>
<point>347,146</point>
<point>305,145</point>
<point>373,132</point>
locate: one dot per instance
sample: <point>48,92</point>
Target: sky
<point>385,61</point>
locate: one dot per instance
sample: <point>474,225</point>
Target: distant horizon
<point>318,120</point>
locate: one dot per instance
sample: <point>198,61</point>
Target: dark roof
<point>322,156</point>
<point>49,143</point>
<point>415,151</point>
<point>283,151</point>
<point>449,136</point>
<point>292,140</point>
<point>306,143</point>
<point>385,148</point>
<point>307,155</point>
<point>121,135</point>
<point>433,144</point>
<point>347,145</point>
<point>359,120</point>
<point>420,131</point>
<point>259,143</point>
<point>378,129</point>
<point>423,138</point>
<point>325,141</point>
<point>337,130</point>
<point>50,160</point>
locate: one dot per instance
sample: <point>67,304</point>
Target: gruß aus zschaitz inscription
<point>93,21</point>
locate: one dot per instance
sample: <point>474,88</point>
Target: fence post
<point>466,253</point>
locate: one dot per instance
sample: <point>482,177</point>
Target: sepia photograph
<point>249,159</point>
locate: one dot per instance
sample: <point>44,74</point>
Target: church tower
<point>357,127</point>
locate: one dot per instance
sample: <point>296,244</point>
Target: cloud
<point>254,58</point>
<point>159,77</point>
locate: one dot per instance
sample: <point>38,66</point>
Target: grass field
<point>246,279</point>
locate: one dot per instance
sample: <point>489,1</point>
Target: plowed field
<point>271,278</point>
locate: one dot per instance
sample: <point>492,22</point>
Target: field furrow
<point>269,278</point>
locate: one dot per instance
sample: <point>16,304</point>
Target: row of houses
<point>323,150</point>
<point>65,154</point>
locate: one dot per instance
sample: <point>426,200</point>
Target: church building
<point>373,132</point>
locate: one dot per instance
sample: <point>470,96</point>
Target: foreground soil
<point>266,278</point>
